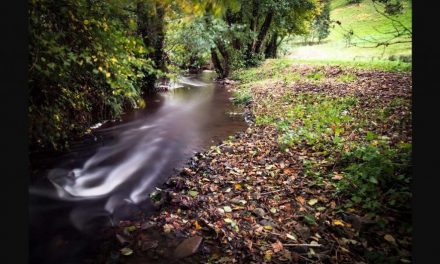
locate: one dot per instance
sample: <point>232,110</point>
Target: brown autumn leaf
<point>389,238</point>
<point>249,244</point>
<point>277,246</point>
<point>300,199</point>
<point>337,176</point>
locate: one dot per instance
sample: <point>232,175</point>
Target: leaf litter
<point>251,201</point>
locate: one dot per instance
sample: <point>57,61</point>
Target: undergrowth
<point>361,164</point>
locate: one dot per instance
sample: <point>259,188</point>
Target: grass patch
<point>242,96</point>
<point>382,65</point>
<point>367,24</point>
<point>347,77</point>
<point>315,76</point>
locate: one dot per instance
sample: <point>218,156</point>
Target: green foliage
<point>321,23</point>
<point>315,76</point>
<point>242,97</point>
<point>347,77</point>
<point>86,63</point>
<point>377,175</point>
<point>252,59</point>
<point>318,121</point>
<point>241,37</point>
<point>188,43</point>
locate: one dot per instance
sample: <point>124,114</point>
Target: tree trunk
<point>225,54</point>
<point>151,28</point>
<point>160,37</point>
<point>253,24</point>
<point>217,64</point>
<point>263,31</point>
<point>272,46</point>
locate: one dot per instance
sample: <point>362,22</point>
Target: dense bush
<point>86,64</point>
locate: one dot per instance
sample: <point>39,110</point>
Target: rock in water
<point>188,247</point>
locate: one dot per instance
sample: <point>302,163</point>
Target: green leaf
<point>310,219</point>
<point>193,193</point>
<point>312,201</point>
<point>227,209</point>
<point>370,135</point>
<point>131,228</point>
<point>373,180</point>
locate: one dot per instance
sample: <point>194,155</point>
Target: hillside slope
<point>366,23</point>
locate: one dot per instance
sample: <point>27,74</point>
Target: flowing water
<point>101,182</point>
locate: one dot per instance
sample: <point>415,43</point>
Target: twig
<point>302,245</point>
<point>271,192</point>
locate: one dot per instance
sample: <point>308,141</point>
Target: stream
<point>102,181</point>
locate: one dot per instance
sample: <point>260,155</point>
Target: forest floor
<point>321,176</point>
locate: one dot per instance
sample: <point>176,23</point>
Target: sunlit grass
<point>383,65</point>
<point>366,23</point>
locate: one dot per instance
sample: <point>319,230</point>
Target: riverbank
<point>323,176</point>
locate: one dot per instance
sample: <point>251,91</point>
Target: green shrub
<point>242,97</point>
<point>376,175</point>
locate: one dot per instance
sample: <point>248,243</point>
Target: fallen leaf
<point>293,237</point>
<point>389,238</point>
<point>196,224</point>
<point>131,228</point>
<point>338,222</point>
<point>312,201</point>
<point>277,246</point>
<point>268,255</point>
<point>193,193</point>
<point>227,209</point>
<point>126,251</point>
<point>300,199</point>
<point>249,244</point>
<point>337,176</point>
<point>167,228</point>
